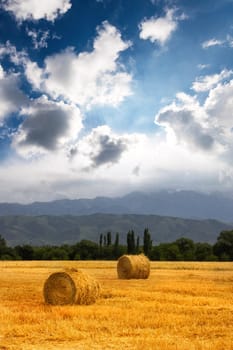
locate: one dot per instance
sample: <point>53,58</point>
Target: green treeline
<point>109,248</point>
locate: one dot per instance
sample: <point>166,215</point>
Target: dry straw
<point>75,287</point>
<point>133,266</point>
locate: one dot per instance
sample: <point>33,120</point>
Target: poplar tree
<point>147,242</point>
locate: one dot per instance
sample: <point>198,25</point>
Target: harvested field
<point>182,306</point>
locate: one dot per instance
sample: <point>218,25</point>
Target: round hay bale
<point>59,289</point>
<point>76,287</point>
<point>87,288</point>
<point>133,266</point>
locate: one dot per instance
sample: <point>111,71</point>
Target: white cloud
<point>202,66</point>
<point>186,123</point>
<point>32,10</point>
<point>39,38</point>
<point>34,74</point>
<point>11,97</point>
<point>1,72</point>
<point>48,126</point>
<point>212,42</point>
<point>159,29</point>
<point>228,41</point>
<point>57,176</point>
<point>219,106</point>
<point>87,78</point>
<point>14,56</point>
<point>206,127</point>
<point>197,151</point>
<point>205,83</point>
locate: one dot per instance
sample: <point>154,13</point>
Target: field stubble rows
<point>181,306</point>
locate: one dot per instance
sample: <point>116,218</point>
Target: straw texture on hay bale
<point>75,287</point>
<point>133,266</point>
<point>87,288</point>
<point>59,289</point>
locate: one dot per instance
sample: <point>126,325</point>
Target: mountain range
<point>183,204</point>
<point>168,215</point>
<point>70,229</point>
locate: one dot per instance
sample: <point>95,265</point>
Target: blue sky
<point>110,96</point>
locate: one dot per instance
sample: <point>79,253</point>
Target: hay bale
<point>87,288</point>
<point>59,289</point>
<point>133,266</point>
<point>76,287</point>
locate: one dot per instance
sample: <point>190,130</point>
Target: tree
<point>155,253</point>
<point>26,252</point>
<point>223,248</point>
<point>7,253</point>
<point>166,251</point>
<point>86,250</point>
<point>2,246</point>
<point>204,252</point>
<point>2,242</point>
<point>109,239</point>
<point>101,240</point>
<point>131,248</point>
<point>138,245</point>
<point>186,247</point>
<point>147,242</point>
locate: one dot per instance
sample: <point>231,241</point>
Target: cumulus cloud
<point>12,99</point>
<point>16,57</point>
<point>102,146</point>
<point>219,106</point>
<point>32,10</point>
<point>159,29</point>
<point>39,38</point>
<point>148,163</point>
<point>87,78</point>
<point>186,123</point>
<point>34,74</point>
<point>48,126</point>
<point>206,127</point>
<point>205,83</point>
<point>77,81</point>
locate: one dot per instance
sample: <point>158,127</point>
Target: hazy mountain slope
<point>185,204</point>
<point>56,230</point>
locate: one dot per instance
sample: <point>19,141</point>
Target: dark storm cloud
<point>110,150</point>
<point>45,127</point>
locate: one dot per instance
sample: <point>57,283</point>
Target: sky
<point>106,97</point>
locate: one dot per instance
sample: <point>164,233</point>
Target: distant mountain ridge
<point>68,229</point>
<point>183,204</point>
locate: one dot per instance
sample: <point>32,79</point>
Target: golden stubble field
<point>181,306</point>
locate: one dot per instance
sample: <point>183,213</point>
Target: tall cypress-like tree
<point>138,245</point>
<point>128,242</point>
<point>116,243</point>
<point>116,246</point>
<point>109,239</point>
<point>147,242</point>
<point>131,247</point>
<point>101,240</point>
